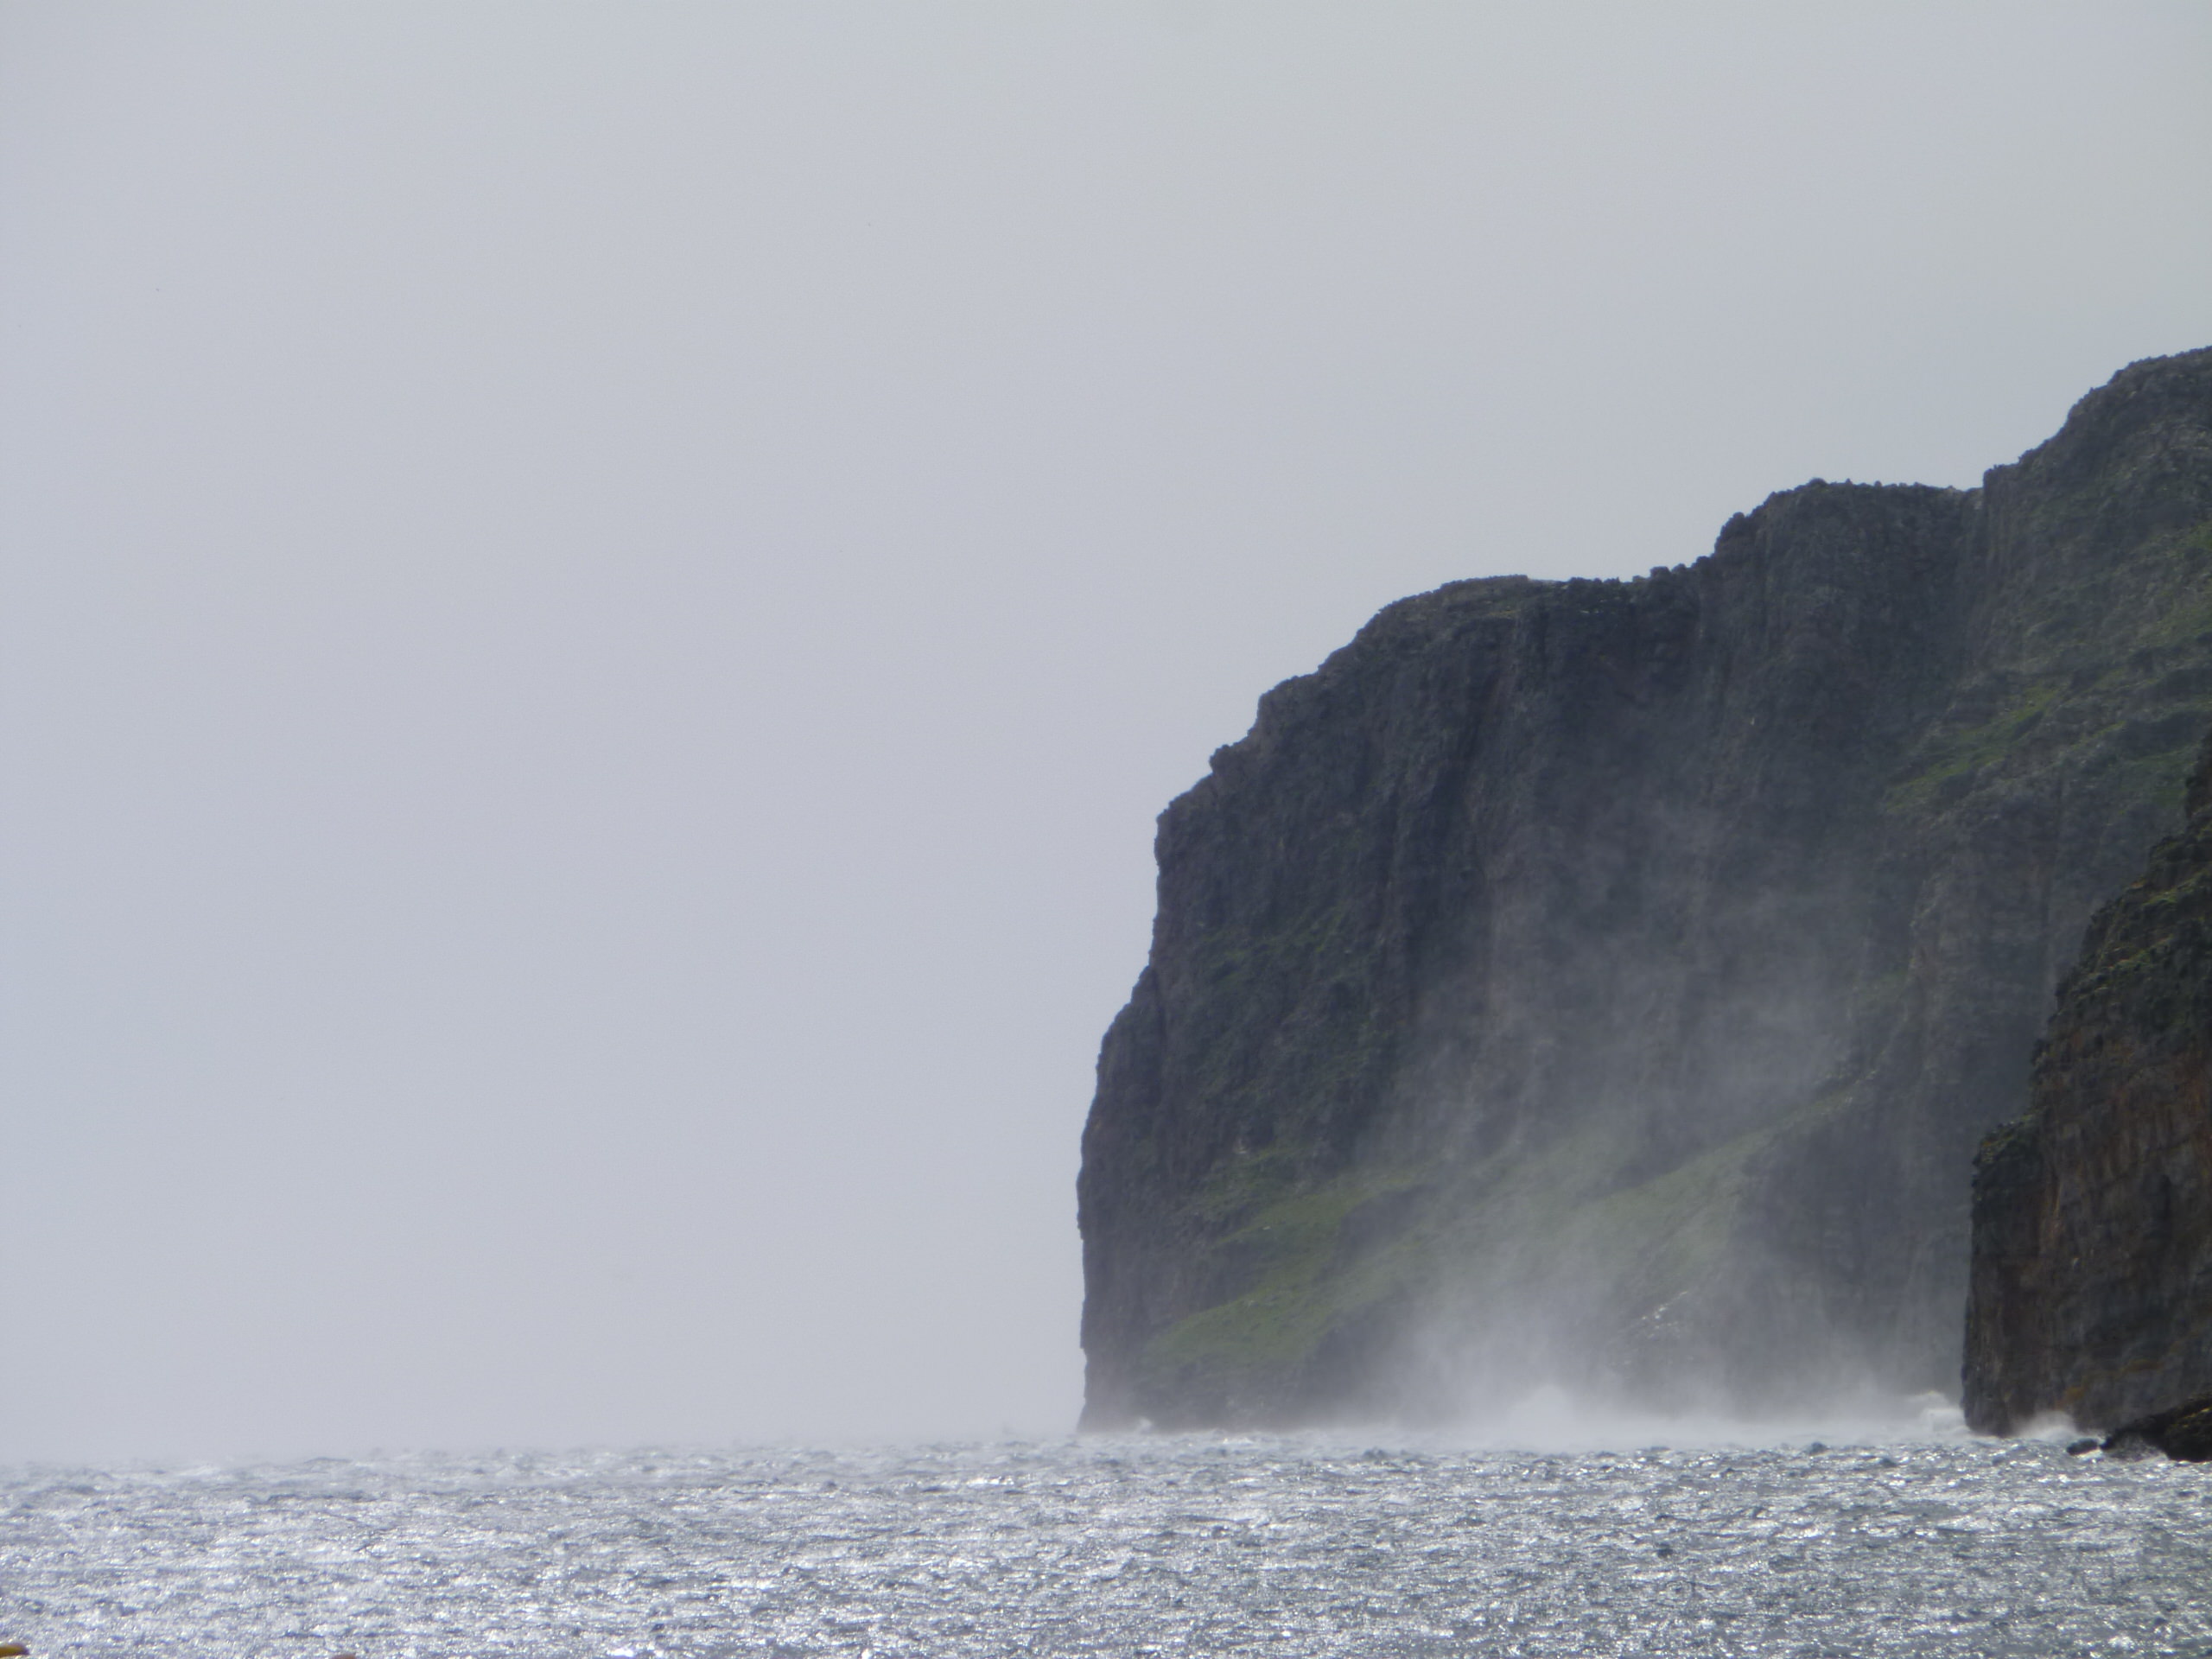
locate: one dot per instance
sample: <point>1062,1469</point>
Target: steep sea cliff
<point>1608,983</point>
<point>2092,1277</point>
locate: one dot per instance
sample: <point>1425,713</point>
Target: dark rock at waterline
<point>2182,1433</point>
<point>1609,981</point>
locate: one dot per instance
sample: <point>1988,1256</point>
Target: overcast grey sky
<point>596,602</point>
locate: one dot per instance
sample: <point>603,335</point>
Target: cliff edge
<point>2092,1277</point>
<point>1608,983</point>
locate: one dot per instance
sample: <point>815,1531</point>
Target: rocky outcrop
<point>1609,981</point>
<point>2182,1433</point>
<point>2092,1276</point>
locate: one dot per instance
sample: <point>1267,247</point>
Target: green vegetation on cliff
<point>1608,981</point>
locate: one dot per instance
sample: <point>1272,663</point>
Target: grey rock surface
<point>1608,983</point>
<point>2091,1267</point>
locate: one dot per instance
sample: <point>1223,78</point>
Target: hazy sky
<point>596,602</point>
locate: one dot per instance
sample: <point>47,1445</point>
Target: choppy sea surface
<point>1152,1545</point>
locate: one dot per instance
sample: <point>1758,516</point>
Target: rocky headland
<point>2092,1272</point>
<point>1608,982</point>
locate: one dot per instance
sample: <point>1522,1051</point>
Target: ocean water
<point>1149,1545</point>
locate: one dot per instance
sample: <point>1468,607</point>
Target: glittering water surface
<point>1171,1545</point>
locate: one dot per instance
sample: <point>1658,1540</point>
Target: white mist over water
<point>596,603</point>
<point>1553,1419</point>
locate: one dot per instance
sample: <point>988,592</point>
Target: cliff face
<point>1607,982</point>
<point>2092,1277</point>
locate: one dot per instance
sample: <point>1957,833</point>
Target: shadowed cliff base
<point>2092,1282</point>
<point>1606,983</point>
